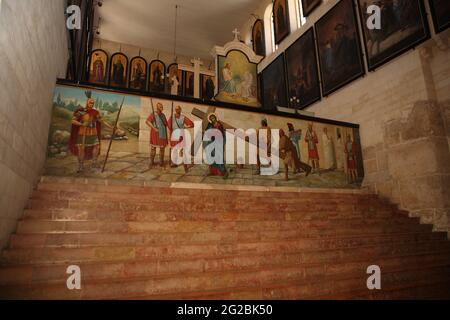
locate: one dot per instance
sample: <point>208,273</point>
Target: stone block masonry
<point>33,53</point>
<point>404,119</point>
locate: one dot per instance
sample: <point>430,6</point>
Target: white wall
<point>33,53</point>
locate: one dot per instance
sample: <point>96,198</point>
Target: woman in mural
<point>86,133</point>
<point>350,152</point>
<point>217,169</point>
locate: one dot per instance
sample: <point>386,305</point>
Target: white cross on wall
<point>236,34</point>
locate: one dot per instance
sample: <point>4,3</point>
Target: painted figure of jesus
<point>217,169</point>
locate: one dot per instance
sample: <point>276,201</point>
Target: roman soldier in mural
<point>179,121</point>
<point>217,169</point>
<point>350,153</point>
<point>159,134</point>
<point>86,133</point>
<point>312,140</point>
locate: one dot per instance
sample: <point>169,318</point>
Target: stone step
<point>392,283</point>
<point>193,205</point>
<point>436,287</point>
<point>179,241</point>
<point>163,216</point>
<point>201,197</point>
<point>337,226</point>
<point>279,283</point>
<point>42,273</point>
<point>306,250</point>
<point>80,240</point>
<point>137,188</point>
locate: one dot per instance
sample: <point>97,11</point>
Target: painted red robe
<point>312,141</point>
<point>158,139</point>
<point>82,115</point>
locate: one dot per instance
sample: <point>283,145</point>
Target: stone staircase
<point>202,242</point>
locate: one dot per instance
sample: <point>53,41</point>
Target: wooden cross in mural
<point>204,117</point>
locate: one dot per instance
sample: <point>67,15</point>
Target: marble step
<point>307,251</point>
<point>54,272</point>
<point>205,195</point>
<point>80,240</point>
<point>277,283</point>
<point>336,226</point>
<point>184,215</point>
<point>193,205</point>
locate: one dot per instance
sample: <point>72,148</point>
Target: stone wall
<point>404,112</point>
<point>33,53</point>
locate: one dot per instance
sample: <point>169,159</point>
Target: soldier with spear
<point>86,133</point>
<point>159,134</point>
<point>181,122</point>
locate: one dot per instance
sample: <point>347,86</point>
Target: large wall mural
<point>318,154</point>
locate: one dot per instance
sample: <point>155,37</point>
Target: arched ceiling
<point>151,23</point>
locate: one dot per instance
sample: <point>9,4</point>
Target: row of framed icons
<point>137,74</point>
